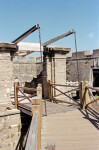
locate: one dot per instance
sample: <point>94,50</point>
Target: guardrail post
<point>50,90</point>
<point>87,99</point>
<point>16,94</point>
<point>36,107</point>
<point>39,94</point>
<point>82,94</point>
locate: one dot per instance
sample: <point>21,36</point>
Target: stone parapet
<point>7,51</point>
<point>80,54</point>
<point>95,52</point>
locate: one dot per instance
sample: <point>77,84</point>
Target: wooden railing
<point>87,98</point>
<point>84,93</point>
<point>34,135</point>
<point>54,97</point>
<point>21,89</point>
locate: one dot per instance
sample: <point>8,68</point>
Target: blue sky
<point>54,17</point>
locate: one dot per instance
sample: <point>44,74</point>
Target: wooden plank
<point>71,131</point>
<point>50,147</point>
<point>32,136</point>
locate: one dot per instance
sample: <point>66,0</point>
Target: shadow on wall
<point>24,128</point>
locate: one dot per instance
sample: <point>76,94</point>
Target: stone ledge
<point>9,112</point>
<point>7,46</point>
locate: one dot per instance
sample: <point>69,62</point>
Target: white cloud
<point>90,35</point>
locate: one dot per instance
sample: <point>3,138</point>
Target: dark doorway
<point>95,77</point>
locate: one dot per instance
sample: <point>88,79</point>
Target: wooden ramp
<point>70,131</point>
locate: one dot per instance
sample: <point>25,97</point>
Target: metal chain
<point>42,70</point>
<point>76,55</point>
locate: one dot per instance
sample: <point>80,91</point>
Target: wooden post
<point>87,99</point>
<point>50,90</point>
<point>39,94</point>
<point>36,107</point>
<point>82,94</point>
<point>16,94</point>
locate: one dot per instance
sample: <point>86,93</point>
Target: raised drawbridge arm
<point>58,38</point>
<point>24,35</point>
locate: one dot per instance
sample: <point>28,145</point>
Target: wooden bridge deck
<point>70,131</point>
<point>67,127</point>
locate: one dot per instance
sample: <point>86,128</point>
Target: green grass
<point>96,96</point>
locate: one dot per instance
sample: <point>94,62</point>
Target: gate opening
<point>95,77</point>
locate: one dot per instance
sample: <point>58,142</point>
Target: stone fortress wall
<point>87,62</point>
<point>26,69</point>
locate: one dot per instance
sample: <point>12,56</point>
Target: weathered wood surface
<point>32,136</point>
<point>51,147</point>
<point>70,131</point>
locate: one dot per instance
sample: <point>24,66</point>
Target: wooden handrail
<point>26,88</point>
<point>95,89</point>
<point>65,85</point>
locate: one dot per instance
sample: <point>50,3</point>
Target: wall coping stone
<point>7,46</point>
<point>56,50</point>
